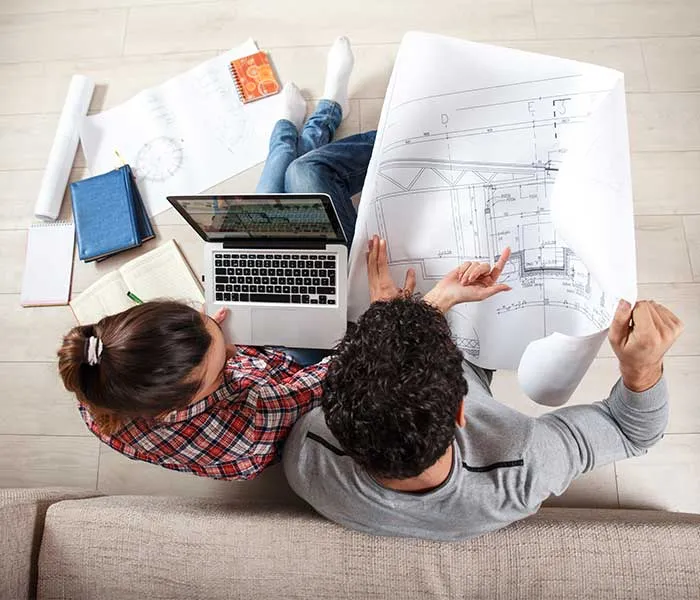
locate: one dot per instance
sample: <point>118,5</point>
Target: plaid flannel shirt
<point>235,432</point>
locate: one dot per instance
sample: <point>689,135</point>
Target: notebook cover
<point>48,264</point>
<point>105,215</point>
<point>144,223</point>
<point>254,77</point>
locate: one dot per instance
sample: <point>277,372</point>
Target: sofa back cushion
<point>146,547</point>
<point>22,514</point>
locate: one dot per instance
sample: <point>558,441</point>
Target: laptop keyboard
<point>277,278</point>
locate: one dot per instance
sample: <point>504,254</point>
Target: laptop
<point>278,262</point>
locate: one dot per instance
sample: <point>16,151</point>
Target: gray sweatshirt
<point>504,463</point>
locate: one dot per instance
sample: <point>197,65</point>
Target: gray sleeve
<point>570,441</point>
<point>293,462</point>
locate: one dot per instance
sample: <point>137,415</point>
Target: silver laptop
<point>278,262</point>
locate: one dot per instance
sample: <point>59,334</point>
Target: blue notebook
<point>109,215</point>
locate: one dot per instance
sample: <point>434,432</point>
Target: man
<point>410,442</point>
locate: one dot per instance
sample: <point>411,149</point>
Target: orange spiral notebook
<point>254,77</point>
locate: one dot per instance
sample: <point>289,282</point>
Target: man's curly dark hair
<point>393,390</point>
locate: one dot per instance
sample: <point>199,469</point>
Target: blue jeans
<point>307,163</point>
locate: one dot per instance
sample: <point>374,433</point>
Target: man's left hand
<point>381,284</point>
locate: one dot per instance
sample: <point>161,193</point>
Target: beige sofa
<point>60,543</point>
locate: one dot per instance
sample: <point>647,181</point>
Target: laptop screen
<point>284,216</point>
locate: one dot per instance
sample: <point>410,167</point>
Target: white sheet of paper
<point>552,367</point>
<point>471,144</point>
<point>592,202</point>
<point>48,265</point>
<point>185,135</point>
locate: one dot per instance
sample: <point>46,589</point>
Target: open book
<point>160,273</point>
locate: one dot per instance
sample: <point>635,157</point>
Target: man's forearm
<point>641,379</point>
<point>575,439</point>
<point>642,416</point>
<point>437,299</point>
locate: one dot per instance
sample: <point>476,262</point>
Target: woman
<point>158,382</point>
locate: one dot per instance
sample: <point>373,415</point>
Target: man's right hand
<point>640,337</point>
<point>469,282</point>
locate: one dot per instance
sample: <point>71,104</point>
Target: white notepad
<point>49,264</point>
<point>161,273</point>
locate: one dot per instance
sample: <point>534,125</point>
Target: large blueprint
<point>481,147</point>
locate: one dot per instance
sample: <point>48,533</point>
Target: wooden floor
<point>127,45</point>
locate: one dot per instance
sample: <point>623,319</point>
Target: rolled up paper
<point>552,367</point>
<point>53,184</point>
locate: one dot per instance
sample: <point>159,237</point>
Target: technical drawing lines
<point>553,97</point>
<point>490,87</point>
<point>424,175</point>
<point>472,157</point>
<point>478,131</point>
<point>470,346</point>
<point>468,339</point>
<point>599,318</point>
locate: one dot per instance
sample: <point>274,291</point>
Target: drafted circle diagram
<point>159,159</point>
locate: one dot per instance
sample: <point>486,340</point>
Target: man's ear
<point>460,419</point>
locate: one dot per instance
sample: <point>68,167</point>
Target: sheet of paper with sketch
<point>481,147</point>
<point>185,135</point>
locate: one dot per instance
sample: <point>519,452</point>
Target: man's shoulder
<point>308,432</point>
<point>310,451</point>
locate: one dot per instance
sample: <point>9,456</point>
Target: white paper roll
<point>552,367</point>
<point>53,185</point>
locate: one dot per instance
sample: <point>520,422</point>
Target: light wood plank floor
<point>127,45</point>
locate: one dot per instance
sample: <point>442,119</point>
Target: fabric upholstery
<point>21,524</point>
<point>142,547</point>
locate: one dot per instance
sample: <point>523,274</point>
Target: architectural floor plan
<point>470,144</point>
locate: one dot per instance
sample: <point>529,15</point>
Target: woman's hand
<point>219,317</point>
<point>381,284</point>
<point>469,282</point>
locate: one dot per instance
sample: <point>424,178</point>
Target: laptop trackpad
<point>237,325</point>
<point>278,327</point>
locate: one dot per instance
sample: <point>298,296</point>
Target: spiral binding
<point>237,81</point>
<point>52,223</point>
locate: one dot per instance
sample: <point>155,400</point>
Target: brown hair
<point>145,368</point>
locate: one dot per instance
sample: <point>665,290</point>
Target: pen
<point>135,298</point>
<point>119,156</point>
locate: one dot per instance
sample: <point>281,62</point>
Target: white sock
<point>293,105</point>
<point>340,63</point>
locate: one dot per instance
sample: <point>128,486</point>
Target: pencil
<point>135,298</point>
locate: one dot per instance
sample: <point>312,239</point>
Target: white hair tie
<point>94,350</point>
